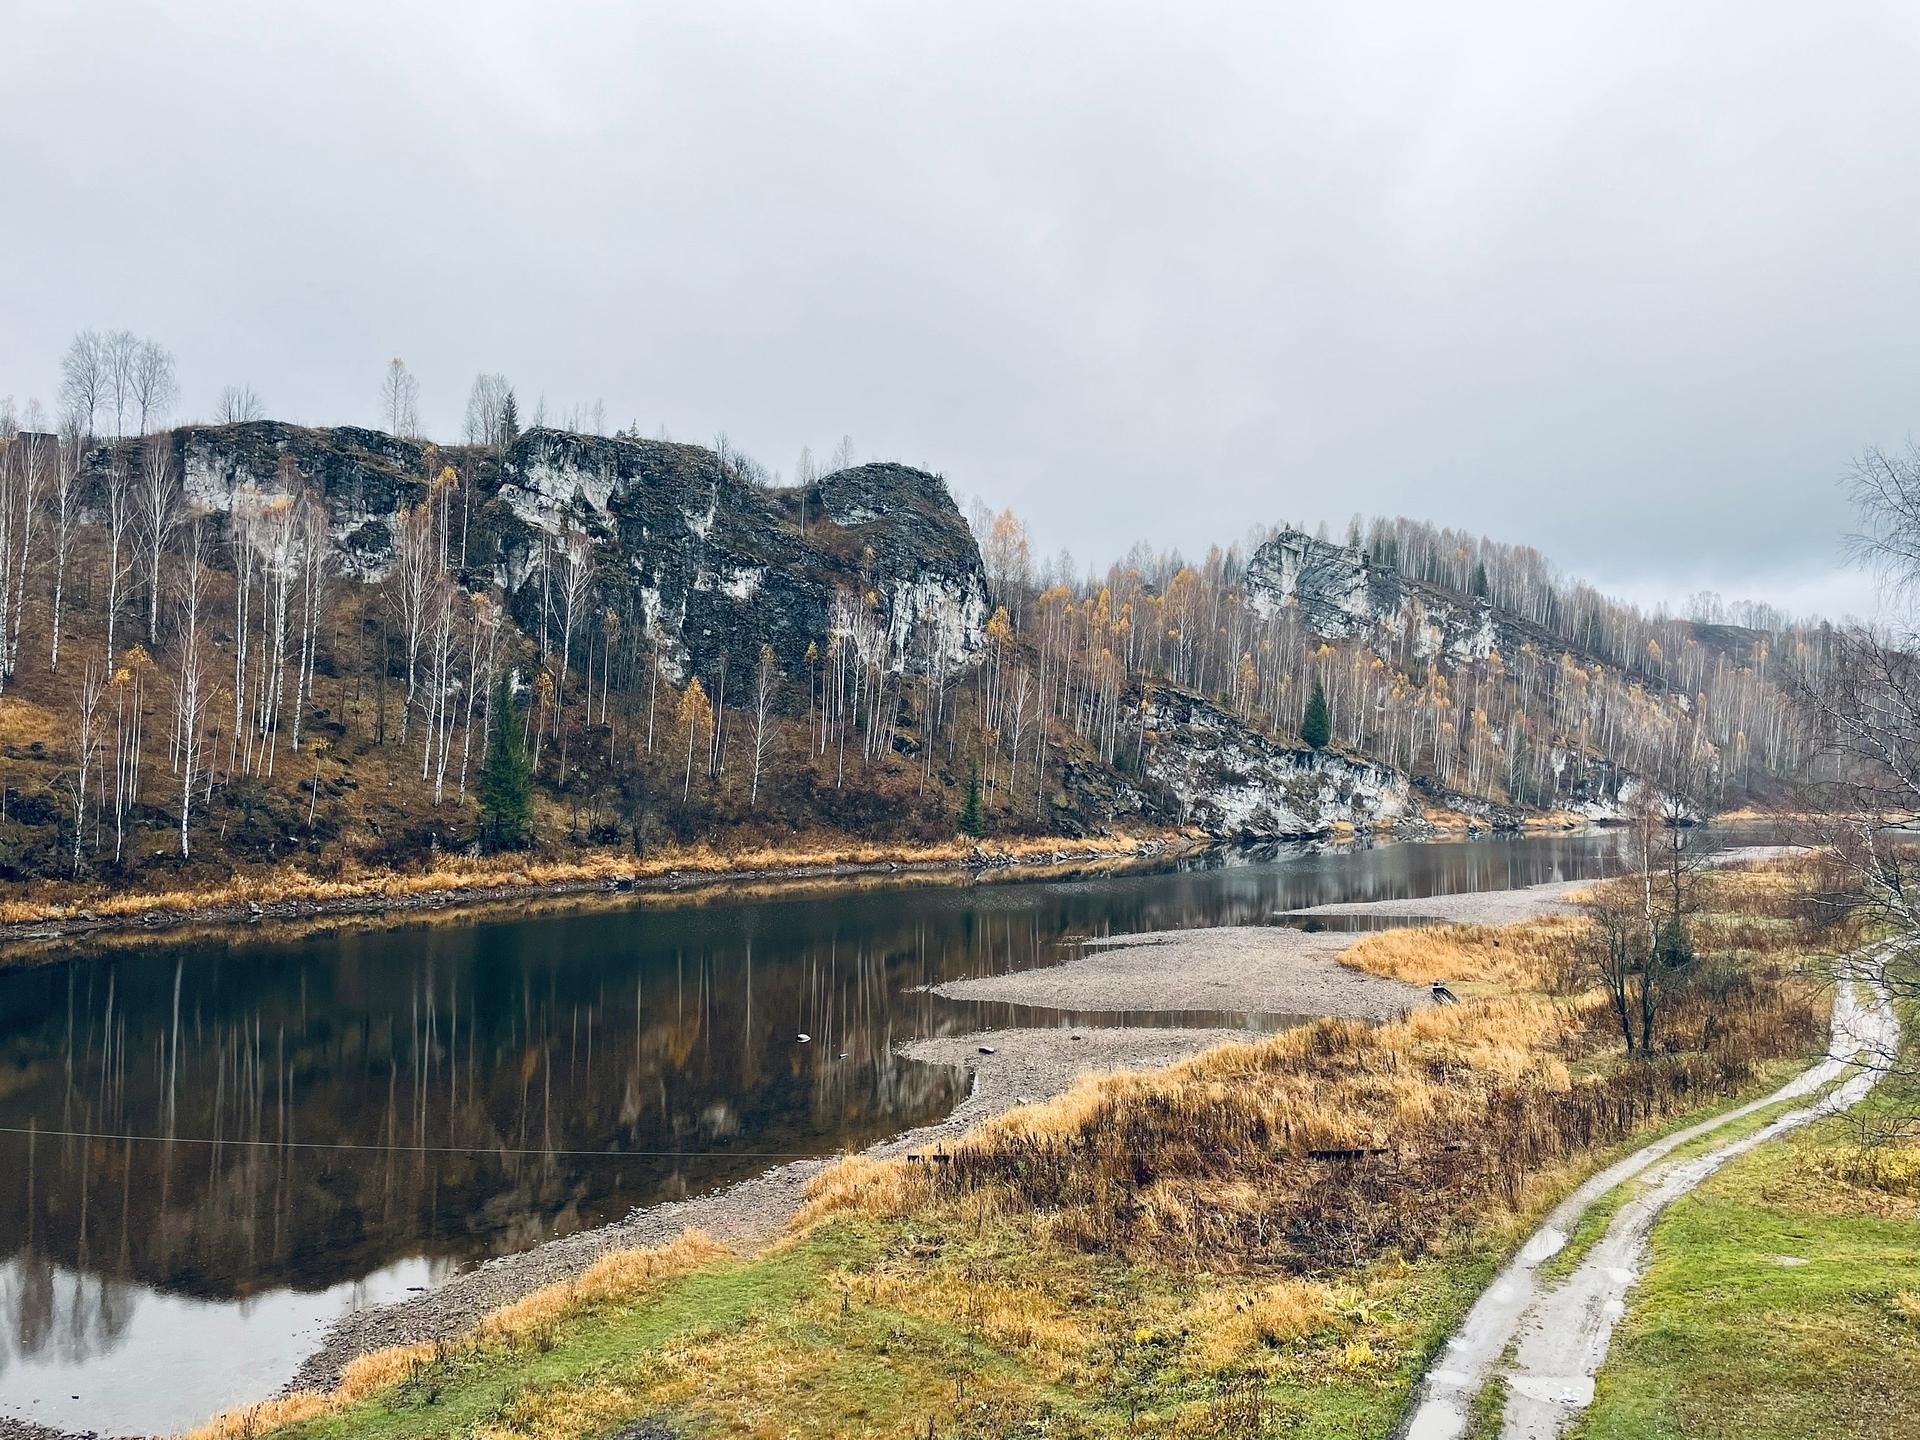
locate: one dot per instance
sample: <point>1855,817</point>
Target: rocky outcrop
<point>364,476</point>
<point>1231,781</point>
<point>713,565</point>
<point>687,554</point>
<point>1340,593</point>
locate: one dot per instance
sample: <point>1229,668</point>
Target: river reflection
<point>278,1122</point>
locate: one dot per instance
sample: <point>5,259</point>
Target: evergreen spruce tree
<point>971,821</point>
<point>506,784</point>
<point>1317,727</point>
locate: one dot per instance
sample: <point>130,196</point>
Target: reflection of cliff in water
<point>507,1102</point>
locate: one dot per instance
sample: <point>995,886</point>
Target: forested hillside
<point>247,643</point>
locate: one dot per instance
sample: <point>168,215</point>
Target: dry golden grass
<point>563,1412</point>
<point>24,725</point>
<point>1235,1155</point>
<point>460,875</point>
<point>1536,956</point>
<point>613,1278</point>
<point>1232,1327</point>
<point>364,1377</point>
<point>1889,1168</point>
<point>1015,1313</point>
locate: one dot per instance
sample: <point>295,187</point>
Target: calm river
<point>208,1152</point>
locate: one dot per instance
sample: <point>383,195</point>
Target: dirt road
<point>1548,1342</point>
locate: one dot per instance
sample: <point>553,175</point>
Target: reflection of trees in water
<point>66,1313</point>
<point>507,1101</point>
<point>480,1060</point>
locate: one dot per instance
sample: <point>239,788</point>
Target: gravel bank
<point>1255,969</point>
<point>1509,907</point>
<point>1476,907</point>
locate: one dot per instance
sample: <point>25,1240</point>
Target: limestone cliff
<point>715,564</point>
<point>703,562</point>
<point>1341,594</point>
<point>1231,781</point>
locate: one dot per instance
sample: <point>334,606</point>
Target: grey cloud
<point>1632,285</point>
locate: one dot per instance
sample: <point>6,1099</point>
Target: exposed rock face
<point>1600,789</point>
<point>1340,594</point>
<point>365,476</point>
<point>699,560</point>
<point>1232,781</point>
<point>716,565</point>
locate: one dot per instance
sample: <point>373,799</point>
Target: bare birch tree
<point>193,682</point>
<point>119,516</point>
<point>122,350</point>
<point>87,737</point>
<point>150,378</point>
<point>37,464</point>
<point>157,514</point>
<point>410,589</point>
<point>400,400</point>
<point>84,382</point>
<point>437,691</point>
<point>63,506</point>
<point>766,674</point>
<point>24,468</point>
<point>239,405</point>
<point>313,560</point>
<point>483,639</point>
<point>575,555</point>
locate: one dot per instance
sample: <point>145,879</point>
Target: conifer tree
<point>506,782</point>
<point>971,820</point>
<point>1317,728</point>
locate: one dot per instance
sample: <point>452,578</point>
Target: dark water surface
<point>285,1129</point>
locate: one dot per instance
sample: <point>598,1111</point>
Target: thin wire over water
<point>33,1132</point>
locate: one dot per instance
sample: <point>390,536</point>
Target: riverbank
<point>460,884</point>
<point>1271,970</point>
<point>1256,968</point>
<point>1206,1249</point>
<point>1008,1068</point>
<point>1274,970</point>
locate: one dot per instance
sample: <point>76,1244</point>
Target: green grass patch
<point>1772,1306</point>
<point>1488,1410</point>
<point>470,1389</point>
<point>1593,1223</point>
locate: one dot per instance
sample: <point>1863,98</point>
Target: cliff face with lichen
<point>705,563</point>
<point>717,565</point>
<point>1339,593</point>
<point>1230,780</point>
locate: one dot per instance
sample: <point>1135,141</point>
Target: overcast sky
<point>1632,287</point>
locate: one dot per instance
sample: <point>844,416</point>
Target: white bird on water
<point>804,1037</point>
